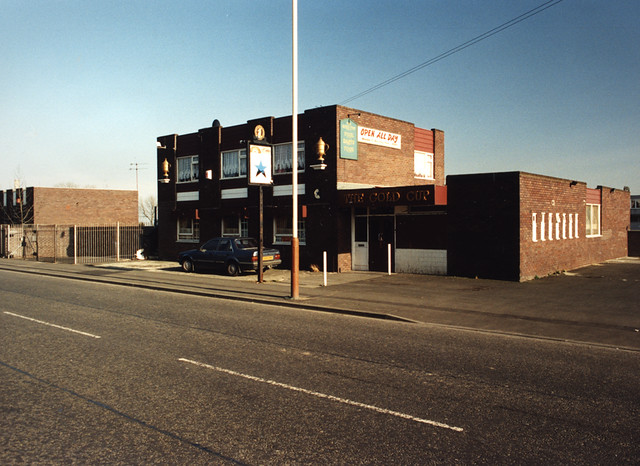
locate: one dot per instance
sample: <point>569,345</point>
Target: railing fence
<point>75,244</point>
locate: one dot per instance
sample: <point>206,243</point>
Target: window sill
<point>196,241</point>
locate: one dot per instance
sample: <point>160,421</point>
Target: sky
<point>87,86</point>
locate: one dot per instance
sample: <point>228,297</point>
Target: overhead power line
<point>469,43</point>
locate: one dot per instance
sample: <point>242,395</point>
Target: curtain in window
<point>282,159</point>
<point>230,164</point>
<point>243,162</point>
<point>184,169</point>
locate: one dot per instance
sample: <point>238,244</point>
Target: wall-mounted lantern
<point>165,172</point>
<point>321,150</point>
<point>165,167</point>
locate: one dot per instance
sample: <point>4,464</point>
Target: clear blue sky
<point>86,86</point>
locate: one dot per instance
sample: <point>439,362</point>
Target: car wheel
<point>232,269</point>
<point>187,265</point>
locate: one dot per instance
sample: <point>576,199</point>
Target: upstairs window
<point>188,169</point>
<point>283,159</point>
<point>234,164</point>
<point>423,165</point>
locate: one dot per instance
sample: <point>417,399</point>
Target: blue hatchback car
<point>230,254</point>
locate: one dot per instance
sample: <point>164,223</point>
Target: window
<point>235,226</point>
<point>188,169</point>
<point>283,231</point>
<point>188,229</point>
<point>211,245</point>
<point>234,164</point>
<point>593,219</point>
<point>282,158</point>
<point>423,165</point>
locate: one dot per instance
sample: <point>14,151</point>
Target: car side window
<point>225,245</point>
<point>210,245</point>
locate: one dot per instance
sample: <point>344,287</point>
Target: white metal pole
<point>324,267</point>
<point>117,241</point>
<point>389,258</point>
<point>294,151</point>
<point>75,245</point>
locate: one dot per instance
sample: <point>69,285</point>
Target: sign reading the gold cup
<point>260,164</point>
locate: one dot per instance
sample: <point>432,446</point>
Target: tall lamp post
<point>295,245</point>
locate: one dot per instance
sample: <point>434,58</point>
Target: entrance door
<point>360,244</point>
<point>380,235</point>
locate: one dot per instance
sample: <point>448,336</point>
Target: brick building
<point>517,226</point>
<point>340,207</point>
<point>382,192</point>
<point>68,206</point>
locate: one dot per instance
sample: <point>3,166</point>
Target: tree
<point>147,210</point>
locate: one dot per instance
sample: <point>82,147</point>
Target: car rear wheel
<point>233,268</point>
<point>187,265</point>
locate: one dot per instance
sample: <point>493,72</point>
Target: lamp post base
<point>295,267</point>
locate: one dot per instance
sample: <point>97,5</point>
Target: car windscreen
<point>246,243</point>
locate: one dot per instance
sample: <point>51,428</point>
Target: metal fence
<point>75,244</point>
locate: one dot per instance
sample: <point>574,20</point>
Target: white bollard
<point>389,257</point>
<point>324,267</point>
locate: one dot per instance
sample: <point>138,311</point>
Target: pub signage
<point>379,138</point>
<point>404,195</point>
<point>348,139</point>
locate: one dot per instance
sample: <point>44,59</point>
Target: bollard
<point>324,267</point>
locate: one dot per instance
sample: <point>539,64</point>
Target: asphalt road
<point>99,373</point>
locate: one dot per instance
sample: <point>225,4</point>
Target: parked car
<point>232,255</point>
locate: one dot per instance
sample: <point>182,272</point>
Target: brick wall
<point>517,226</point>
<point>549,239</point>
<point>84,206</point>
<point>384,166</point>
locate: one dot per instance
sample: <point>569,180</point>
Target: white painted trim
<point>234,193</point>
<point>287,189</point>
<point>188,196</point>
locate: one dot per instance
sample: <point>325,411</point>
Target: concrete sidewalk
<point>598,305</point>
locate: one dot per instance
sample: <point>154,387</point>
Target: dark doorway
<point>380,235</point>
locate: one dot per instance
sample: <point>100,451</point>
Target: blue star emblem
<point>261,169</point>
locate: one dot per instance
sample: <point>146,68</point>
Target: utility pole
<point>137,166</point>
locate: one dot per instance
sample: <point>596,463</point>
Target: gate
<point>71,243</point>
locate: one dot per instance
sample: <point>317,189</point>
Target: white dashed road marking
<point>325,396</point>
<point>52,325</point>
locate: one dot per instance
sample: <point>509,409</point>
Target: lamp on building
<point>165,172</point>
<point>165,166</point>
<point>573,183</point>
<point>321,150</point>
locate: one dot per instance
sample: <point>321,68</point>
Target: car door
<point>225,250</point>
<point>207,252</point>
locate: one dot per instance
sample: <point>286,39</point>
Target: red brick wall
<point>84,206</point>
<point>384,166</point>
<point>438,155</point>
<point>544,196</point>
